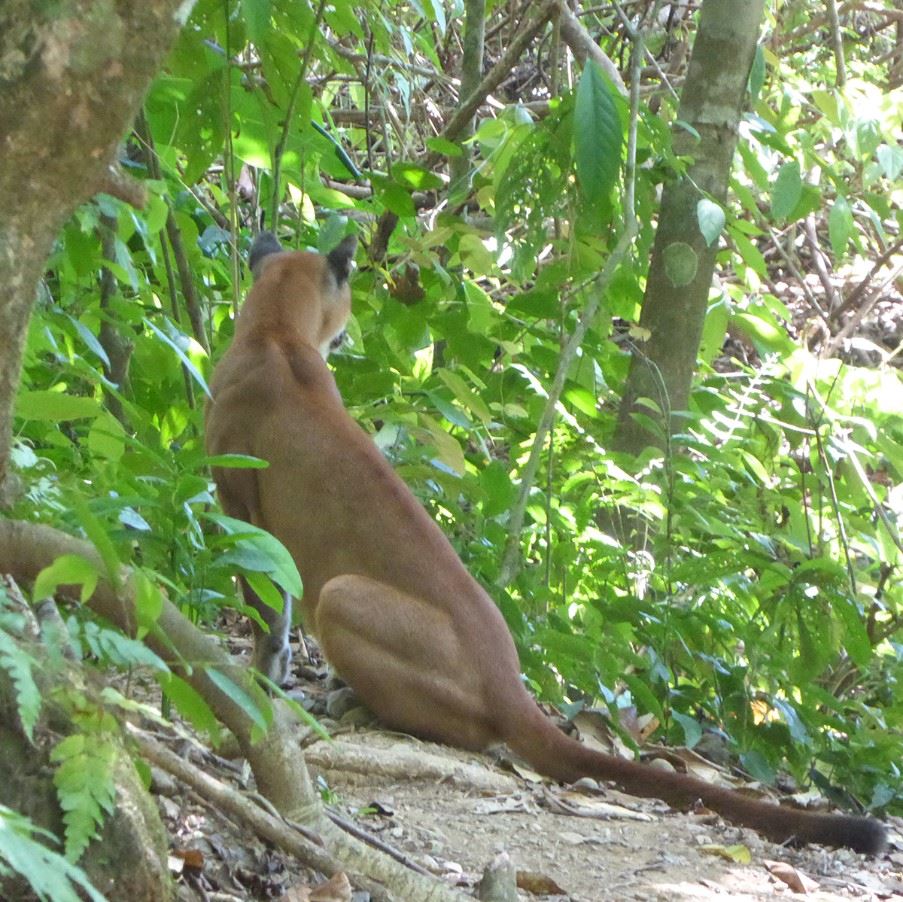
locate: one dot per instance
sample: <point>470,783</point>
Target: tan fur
<point>395,610</point>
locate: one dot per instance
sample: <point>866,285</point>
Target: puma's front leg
<point>272,653</point>
<point>404,659</point>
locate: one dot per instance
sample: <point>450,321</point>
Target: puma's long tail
<point>553,753</point>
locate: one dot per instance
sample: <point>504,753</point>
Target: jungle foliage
<point>754,589</point>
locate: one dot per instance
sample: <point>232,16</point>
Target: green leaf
<point>468,399</point>
<point>711,220</point>
<point>274,556</point>
<point>54,406</point>
<point>256,14</point>
<point>765,335</point>
<point>396,198</point>
<point>266,591</point>
<point>190,704</point>
<point>855,635</point>
<point>446,148</point>
<point>840,226</point>
<point>691,727</point>
<point>416,177</point>
<point>88,337</point>
<point>241,698</point>
<point>106,437</point>
<point>890,159</point>
<point>643,695</point>
<point>787,190</point>
<point>98,535</point>
<point>179,343</point>
<point>756,75</point>
<point>66,570</point>
<point>714,329</point>
<point>497,489</point>
<point>750,254</point>
<point>236,461</point>
<point>598,136</point>
<point>148,602</point>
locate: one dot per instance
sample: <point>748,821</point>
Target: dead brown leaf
<point>794,878</point>
<point>577,804</point>
<point>336,889</point>
<point>193,859</point>
<point>538,884</point>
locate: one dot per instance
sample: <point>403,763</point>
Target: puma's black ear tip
<point>265,243</point>
<point>340,258</point>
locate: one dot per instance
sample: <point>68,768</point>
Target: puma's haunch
<point>396,612</point>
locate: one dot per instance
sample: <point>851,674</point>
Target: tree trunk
<point>680,274</point>
<point>73,77</point>
<point>471,76</point>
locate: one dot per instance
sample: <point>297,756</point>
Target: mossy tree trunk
<point>72,76</point>
<point>680,274</point>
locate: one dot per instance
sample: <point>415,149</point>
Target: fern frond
<point>85,786</point>
<point>19,665</point>
<point>50,876</point>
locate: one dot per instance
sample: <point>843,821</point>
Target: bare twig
<point>300,842</point>
<point>837,41</point>
<point>118,348</point>
<point>496,74</point>
<point>365,836</point>
<point>392,63</point>
<point>471,69</point>
<point>800,278</point>
<point>820,264</point>
<point>290,113</point>
<point>511,557</point>
<point>118,183</point>
<point>465,112</point>
<point>584,47</point>
<point>857,293</point>
<point>186,280</point>
<point>854,321</point>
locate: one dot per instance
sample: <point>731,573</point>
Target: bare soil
<point>454,812</point>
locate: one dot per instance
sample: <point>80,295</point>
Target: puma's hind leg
<point>403,659</point>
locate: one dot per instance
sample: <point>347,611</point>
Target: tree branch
<point>74,77</point>
<point>276,761</point>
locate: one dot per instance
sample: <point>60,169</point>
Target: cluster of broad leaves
<point>761,598</point>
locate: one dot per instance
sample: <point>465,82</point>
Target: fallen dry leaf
<point>795,879</point>
<point>596,732</point>
<point>538,884</point>
<point>686,760</point>
<point>576,804</point>
<point>738,852</point>
<point>336,889</point>
<point>500,805</point>
<point>192,858</point>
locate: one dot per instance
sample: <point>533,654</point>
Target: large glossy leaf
<point>598,136</point>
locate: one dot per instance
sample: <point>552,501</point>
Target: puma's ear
<point>340,259</point>
<point>265,243</point>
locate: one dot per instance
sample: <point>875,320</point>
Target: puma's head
<point>310,291</point>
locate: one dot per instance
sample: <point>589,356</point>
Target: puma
<point>395,610</point>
